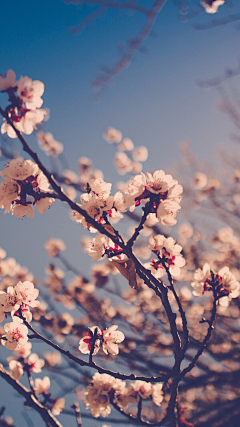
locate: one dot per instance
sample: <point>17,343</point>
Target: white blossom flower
<point>112,135</point>
<point>58,406</point>
<point>44,203</point>
<point>169,251</point>
<point>35,363</point>
<point>157,394</point>
<point>19,169</point>
<point>200,277</point>
<point>143,388</point>
<point>126,145</point>
<point>16,335</point>
<point>97,394</point>
<point>200,180</point>
<point>54,246</point>
<point>123,163</point>
<point>48,144</point>
<point>211,6</point>
<point>21,211</point>
<point>16,368</point>
<point>134,189</point>
<point>53,358</point>
<point>140,154</point>
<point>159,182</point>
<point>41,385</point>
<point>9,192</point>
<point>23,351</point>
<point>167,212</point>
<point>111,339</point>
<point>26,292</point>
<point>156,268</point>
<point>86,342</point>
<point>98,247</point>
<point>30,92</point>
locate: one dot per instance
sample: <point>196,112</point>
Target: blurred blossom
<point>112,135</point>
<point>126,145</point>
<point>70,177</point>
<point>140,154</point>
<point>211,6</point>
<point>53,246</point>
<point>123,163</point>
<point>200,180</point>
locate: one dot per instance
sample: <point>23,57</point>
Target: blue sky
<point>156,101</point>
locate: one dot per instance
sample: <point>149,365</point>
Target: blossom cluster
<point>20,297</point>
<point>104,387</point>
<point>110,338</point>
<point>24,185</point>
<point>224,283</point>
<point>169,256</point>
<point>25,101</point>
<point>161,192</point>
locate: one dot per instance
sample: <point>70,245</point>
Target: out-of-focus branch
<point>114,4</point>
<point>101,82</point>
<point>218,22</point>
<point>31,400</point>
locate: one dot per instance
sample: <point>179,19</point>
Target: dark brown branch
<point>31,400</point>
<point>92,364</point>
<point>207,337</point>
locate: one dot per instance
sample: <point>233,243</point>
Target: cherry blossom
<point>16,335</point>
<point>111,339</point>
<point>41,385</point>
<point>159,182</point>
<point>86,342</point>
<point>98,247</point>
<point>48,144</point>
<point>123,163</point>
<point>23,179</point>
<point>134,189</point>
<point>211,6</point>
<point>97,394</point>
<point>23,351</point>
<point>19,169</point>
<point>35,363</point>
<point>54,246</point>
<point>30,92</point>
<point>16,368</point>
<point>140,154</point>
<point>58,406</point>
<point>112,135</point>
<point>157,394</point>
<point>167,212</point>
<point>224,284</point>
<point>25,101</point>
<point>169,251</point>
<point>144,389</point>
<point>200,277</point>
<point>126,145</point>
<point>52,358</point>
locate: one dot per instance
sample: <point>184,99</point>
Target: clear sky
<point>156,101</point>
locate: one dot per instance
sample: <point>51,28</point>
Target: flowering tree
<point>150,337</point>
<point>157,374</point>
